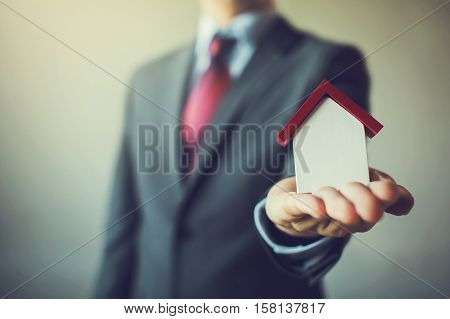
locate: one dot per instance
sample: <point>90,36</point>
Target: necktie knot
<point>220,47</point>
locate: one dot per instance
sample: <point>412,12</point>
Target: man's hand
<point>335,213</point>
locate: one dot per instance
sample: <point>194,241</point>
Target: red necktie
<point>205,97</point>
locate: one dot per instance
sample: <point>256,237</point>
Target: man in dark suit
<point>201,231</point>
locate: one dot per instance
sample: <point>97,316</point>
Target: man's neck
<point>223,12</point>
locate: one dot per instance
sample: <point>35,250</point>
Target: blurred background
<point>61,119</point>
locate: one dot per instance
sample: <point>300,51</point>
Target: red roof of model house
<point>325,88</point>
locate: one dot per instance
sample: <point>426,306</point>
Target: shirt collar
<point>248,27</point>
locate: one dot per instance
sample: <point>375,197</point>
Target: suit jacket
<point>197,239</point>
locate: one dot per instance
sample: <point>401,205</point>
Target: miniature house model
<point>329,140</point>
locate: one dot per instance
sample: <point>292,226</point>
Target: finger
<point>362,227</point>
<point>284,186</point>
<point>331,228</point>
<point>337,206</point>
<point>367,205</point>
<point>404,203</point>
<point>305,224</point>
<point>376,175</point>
<point>296,205</point>
<point>386,191</point>
<point>284,204</point>
<point>334,229</point>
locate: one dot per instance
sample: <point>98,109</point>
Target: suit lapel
<point>176,75</point>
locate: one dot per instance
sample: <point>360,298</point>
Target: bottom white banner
<point>219,308</point>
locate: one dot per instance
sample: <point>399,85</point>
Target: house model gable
<point>329,140</point>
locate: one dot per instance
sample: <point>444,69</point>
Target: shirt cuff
<point>281,243</point>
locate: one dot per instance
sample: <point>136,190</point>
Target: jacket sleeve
<point>313,258</point>
<point>119,256</point>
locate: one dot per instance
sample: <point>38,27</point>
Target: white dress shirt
<point>245,28</point>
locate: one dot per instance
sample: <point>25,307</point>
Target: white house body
<point>329,149</point>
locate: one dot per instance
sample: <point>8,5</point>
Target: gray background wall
<point>61,119</point>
